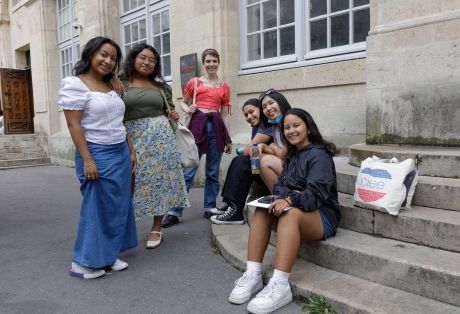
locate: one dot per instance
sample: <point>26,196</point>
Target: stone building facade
<point>383,71</point>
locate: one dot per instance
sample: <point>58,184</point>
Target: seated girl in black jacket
<point>306,208</point>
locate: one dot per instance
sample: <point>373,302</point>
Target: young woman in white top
<point>104,161</point>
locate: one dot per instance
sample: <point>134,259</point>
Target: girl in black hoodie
<point>305,208</point>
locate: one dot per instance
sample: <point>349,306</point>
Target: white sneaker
<point>245,287</point>
<point>85,272</point>
<point>119,265</point>
<point>271,298</point>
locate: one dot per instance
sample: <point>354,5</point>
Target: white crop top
<point>102,116</point>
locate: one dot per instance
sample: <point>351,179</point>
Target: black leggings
<point>238,181</point>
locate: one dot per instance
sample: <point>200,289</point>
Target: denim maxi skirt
<point>107,226</point>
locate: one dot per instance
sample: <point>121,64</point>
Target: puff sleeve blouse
<point>102,113</point>
<point>209,97</point>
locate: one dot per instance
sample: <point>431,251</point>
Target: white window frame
<point>146,12</point>
<point>71,42</point>
<point>302,56</point>
<point>139,39</point>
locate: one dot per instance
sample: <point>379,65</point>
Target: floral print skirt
<point>159,182</point>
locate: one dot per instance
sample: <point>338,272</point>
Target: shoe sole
<point>85,276</point>
<point>284,302</point>
<point>218,222</point>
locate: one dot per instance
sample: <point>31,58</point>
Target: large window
<point>68,36</point>
<point>147,22</point>
<point>276,32</point>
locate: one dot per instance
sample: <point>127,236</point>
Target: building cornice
<point>417,22</point>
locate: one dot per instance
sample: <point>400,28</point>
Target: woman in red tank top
<point>207,103</point>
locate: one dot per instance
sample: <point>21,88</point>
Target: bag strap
<point>164,99</point>
<point>168,108</point>
<point>194,91</point>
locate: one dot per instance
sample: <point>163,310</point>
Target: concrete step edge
<point>26,166</point>
<point>345,293</point>
<point>417,269</point>
<point>20,162</point>
<point>433,227</point>
<point>434,161</point>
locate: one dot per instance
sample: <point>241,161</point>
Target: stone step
<point>18,137</point>
<point>434,161</point>
<point>18,144</point>
<point>428,272</point>
<point>432,227</point>
<point>22,155</point>
<point>30,149</point>
<point>345,293</point>
<point>433,192</point>
<point>4,164</point>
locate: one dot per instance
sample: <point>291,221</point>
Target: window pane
<point>252,1</point>
<point>166,65</point>
<point>340,30</point>
<point>360,25</point>
<point>127,49</point>
<point>270,41</point>
<point>165,21</point>
<point>125,5</point>
<point>318,7</point>
<point>140,2</point>
<point>156,24</point>
<point>166,44</point>
<point>254,47</point>
<point>132,4</point>
<point>357,3</point>
<point>135,31</point>
<point>157,43</point>
<point>318,35</point>
<point>269,14</point>
<point>253,19</point>
<point>287,40</point>
<point>286,11</point>
<point>142,29</point>
<point>339,5</point>
<point>127,32</point>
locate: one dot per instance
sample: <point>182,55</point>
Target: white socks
<point>280,277</point>
<point>254,267</point>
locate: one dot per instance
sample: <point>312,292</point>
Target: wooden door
<point>17,103</point>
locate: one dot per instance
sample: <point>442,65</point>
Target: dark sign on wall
<point>188,68</point>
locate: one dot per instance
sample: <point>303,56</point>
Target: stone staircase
<point>21,151</point>
<point>378,263</point>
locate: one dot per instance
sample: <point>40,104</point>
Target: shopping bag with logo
<point>385,184</point>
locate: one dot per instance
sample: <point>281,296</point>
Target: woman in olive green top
<point>159,183</point>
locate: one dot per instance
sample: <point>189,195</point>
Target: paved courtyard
<point>39,208</point>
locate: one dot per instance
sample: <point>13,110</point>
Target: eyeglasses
<point>150,60</point>
<point>266,93</point>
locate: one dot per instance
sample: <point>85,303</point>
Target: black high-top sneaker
<point>233,216</point>
<point>220,210</point>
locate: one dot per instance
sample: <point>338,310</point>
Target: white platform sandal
<point>151,244</point>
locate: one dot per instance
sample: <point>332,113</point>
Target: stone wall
<point>413,76</point>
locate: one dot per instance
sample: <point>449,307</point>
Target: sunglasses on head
<point>266,93</point>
